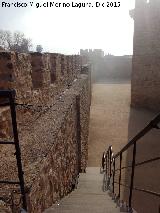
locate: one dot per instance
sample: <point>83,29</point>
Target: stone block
<point>145,87</point>
<point>15,73</point>
<point>40,70</point>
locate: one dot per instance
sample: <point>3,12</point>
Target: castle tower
<point>145,90</point>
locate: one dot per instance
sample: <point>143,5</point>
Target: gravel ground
<point>109,119</point>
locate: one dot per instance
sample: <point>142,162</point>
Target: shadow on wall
<point>146,176</point>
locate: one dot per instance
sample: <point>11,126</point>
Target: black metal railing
<point>109,165</point>
<point>9,97</point>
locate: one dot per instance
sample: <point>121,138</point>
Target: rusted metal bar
<point>140,163</point>
<point>106,160</point>
<point>8,182</point>
<point>157,194</point>
<point>153,124</point>
<point>114,164</point>
<point>108,164</point>
<point>120,175</point>
<point>7,142</point>
<point>132,176</point>
<point>17,147</point>
<point>111,159</point>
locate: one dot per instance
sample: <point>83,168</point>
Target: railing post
<point>103,161</point>
<point>108,164</point>
<point>110,169</point>
<point>110,159</point>
<point>132,176</point>
<point>106,160</point>
<point>18,152</point>
<point>120,174</point>
<point>114,165</point>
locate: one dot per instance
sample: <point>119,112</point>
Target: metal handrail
<point>109,165</point>
<point>152,124</point>
<point>10,96</point>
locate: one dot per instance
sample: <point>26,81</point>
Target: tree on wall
<point>14,41</point>
<point>5,39</point>
<point>39,48</point>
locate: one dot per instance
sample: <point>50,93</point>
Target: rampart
<point>146,55</point>
<point>145,98</point>
<point>53,104</point>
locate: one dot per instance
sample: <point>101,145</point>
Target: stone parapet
<point>35,75</point>
<point>48,130</point>
<point>15,73</point>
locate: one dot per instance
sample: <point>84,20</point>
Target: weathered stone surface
<point>5,123</point>
<point>37,77</point>
<point>15,70</point>
<point>47,128</point>
<point>146,56</point>
<point>40,70</point>
<point>145,93</point>
<point>54,67</point>
<point>55,135</point>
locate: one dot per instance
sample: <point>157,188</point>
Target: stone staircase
<point>88,197</point>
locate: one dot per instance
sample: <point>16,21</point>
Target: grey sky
<point>69,29</point>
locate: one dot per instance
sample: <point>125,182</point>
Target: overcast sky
<point>66,30</point>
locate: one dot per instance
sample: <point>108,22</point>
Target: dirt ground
<point>108,120</point>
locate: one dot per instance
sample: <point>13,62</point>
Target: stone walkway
<point>88,197</point>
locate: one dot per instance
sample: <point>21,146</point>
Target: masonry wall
<point>38,79</point>
<point>53,121</point>
<point>145,90</point>
<point>59,170</point>
<point>145,93</point>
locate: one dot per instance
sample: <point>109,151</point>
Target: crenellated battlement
<point>37,73</point>
<point>53,95</point>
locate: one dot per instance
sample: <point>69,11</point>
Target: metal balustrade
<point>10,101</point>
<point>108,167</point>
<point>9,95</point>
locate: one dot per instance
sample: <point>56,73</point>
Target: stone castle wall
<point>36,76</point>
<point>52,123</point>
<point>145,91</point>
<point>60,166</point>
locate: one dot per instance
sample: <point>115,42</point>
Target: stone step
<point>88,197</point>
<point>82,209</point>
<point>90,177</point>
<point>93,170</point>
<point>89,187</point>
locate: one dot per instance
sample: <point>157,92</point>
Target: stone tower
<point>145,90</point>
